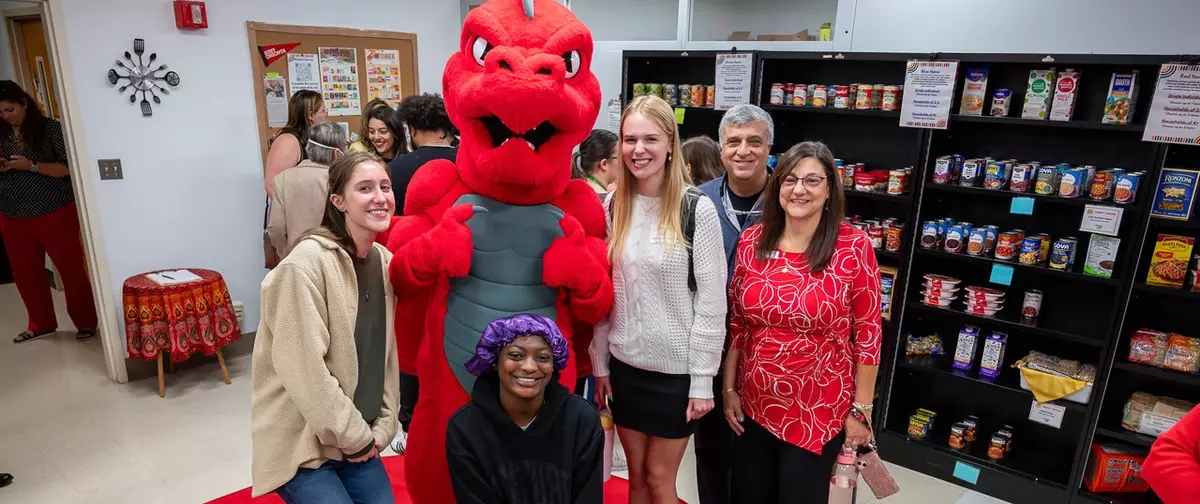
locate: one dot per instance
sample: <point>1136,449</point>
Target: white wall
<point>628,19</point>
<point>193,194</point>
<point>1051,26</point>
<point>718,19</point>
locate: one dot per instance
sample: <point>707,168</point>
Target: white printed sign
<point>1047,414</point>
<point>1175,112</point>
<point>735,72</point>
<point>1101,219</point>
<point>928,91</point>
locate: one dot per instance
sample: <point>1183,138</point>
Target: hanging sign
<point>734,75</point>
<point>928,91</point>
<point>271,53</point>
<point>1175,112</point>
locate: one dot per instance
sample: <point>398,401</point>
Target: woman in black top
<point>38,216</point>
<point>524,438</point>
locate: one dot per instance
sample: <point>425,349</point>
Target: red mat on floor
<point>615,491</point>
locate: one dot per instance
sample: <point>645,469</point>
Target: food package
<point>1122,97</point>
<point>1038,94</point>
<point>1148,347</point>
<point>974,92</point>
<point>964,353</point>
<point>1176,193</point>
<point>1066,91</point>
<point>993,355</point>
<point>1153,415</point>
<point>1101,256</point>
<point>1169,263</point>
<point>1183,354</point>
<point>924,345</point>
<point>1115,468</point>
<point>1060,367</point>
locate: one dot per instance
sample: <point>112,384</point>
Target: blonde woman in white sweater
<point>655,356</point>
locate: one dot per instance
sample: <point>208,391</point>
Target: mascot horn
<point>504,229</point>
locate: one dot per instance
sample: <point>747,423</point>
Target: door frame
<point>112,339</point>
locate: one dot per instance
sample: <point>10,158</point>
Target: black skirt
<point>649,402</point>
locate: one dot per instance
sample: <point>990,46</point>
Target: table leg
<point>162,386</point>
<point>224,370</point>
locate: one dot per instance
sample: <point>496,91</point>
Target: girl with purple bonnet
<point>524,438</point>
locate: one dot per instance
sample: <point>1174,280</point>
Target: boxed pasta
<point>1066,91</point>
<point>1176,193</point>
<point>1122,97</point>
<point>1169,263</point>
<point>1038,94</point>
<point>974,92</point>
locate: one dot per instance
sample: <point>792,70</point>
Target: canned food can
<point>895,235</point>
<point>897,182</point>
<point>1047,180</point>
<point>800,95</point>
<point>877,235</point>
<point>1126,188</point>
<point>819,96</point>
<point>977,242</point>
<point>777,94</point>
<point>930,234</point>
<point>1029,250</point>
<point>772,161</point>
<point>972,173</point>
<point>877,96</point>
<point>1071,184</point>
<point>698,95</point>
<point>992,233</point>
<point>670,94</point>
<point>862,101</point>
<point>1102,185</point>
<point>1022,175</point>
<point>639,89</point>
<point>654,89</point>
<point>685,95</point>
<point>891,98</point>
<point>942,169</point>
<point>1007,246</point>
<point>852,95</point>
<point>1044,247</point>
<point>955,236</point>
<point>1062,253</point>
<point>842,98</point>
<point>710,96</point>
<point>1031,307</point>
<point>996,176</point>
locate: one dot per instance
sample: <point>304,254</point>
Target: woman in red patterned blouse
<point>805,328</point>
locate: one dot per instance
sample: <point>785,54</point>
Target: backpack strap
<point>687,221</point>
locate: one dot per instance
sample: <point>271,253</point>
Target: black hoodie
<point>557,460</point>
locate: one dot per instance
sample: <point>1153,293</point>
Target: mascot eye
<point>572,59</point>
<point>480,48</point>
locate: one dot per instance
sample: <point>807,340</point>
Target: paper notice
<point>339,80</point>
<point>383,76</point>
<point>303,73</point>
<point>275,89</point>
<point>928,91</point>
<point>1175,112</point>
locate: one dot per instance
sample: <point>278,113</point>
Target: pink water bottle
<point>844,478</point>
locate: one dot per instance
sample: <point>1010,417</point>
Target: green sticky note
<point>966,472</point>
<point>1001,274</point>
<point>679,112</point>
<point>1021,205</point>
<point>273,75</point>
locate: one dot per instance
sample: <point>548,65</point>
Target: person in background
<point>431,132</point>
<point>655,355</point>
<point>703,158</point>
<point>747,133</point>
<point>364,129</point>
<point>523,438</point>
<point>305,110</point>
<point>799,379</point>
<point>325,382</point>
<point>385,134</point>
<point>1173,467</point>
<point>38,216</point>
<point>596,161</point>
<point>298,204</point>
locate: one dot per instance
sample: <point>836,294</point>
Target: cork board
<point>310,40</point>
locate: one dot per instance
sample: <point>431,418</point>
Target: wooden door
<point>37,61</point>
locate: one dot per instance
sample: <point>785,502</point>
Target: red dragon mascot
<point>504,229</point>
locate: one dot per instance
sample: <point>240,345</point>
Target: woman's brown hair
<point>364,131</point>
<point>300,106</point>
<point>333,224</point>
<point>774,217</point>
<point>703,155</point>
<point>33,129</point>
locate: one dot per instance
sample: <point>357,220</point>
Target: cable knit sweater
<point>657,323</point>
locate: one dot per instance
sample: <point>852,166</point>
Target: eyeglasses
<point>811,181</point>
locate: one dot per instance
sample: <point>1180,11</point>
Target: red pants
<point>27,241</point>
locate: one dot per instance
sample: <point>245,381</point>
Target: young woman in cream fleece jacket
<point>325,372</point>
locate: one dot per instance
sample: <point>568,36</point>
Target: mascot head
<point>521,91</point>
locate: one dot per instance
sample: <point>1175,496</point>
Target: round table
<point>178,320</point>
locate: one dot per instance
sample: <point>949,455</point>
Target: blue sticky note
<point>966,472</point>
<point>1001,274</point>
<point>1021,205</point>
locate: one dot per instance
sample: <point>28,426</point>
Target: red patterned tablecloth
<point>180,319</point>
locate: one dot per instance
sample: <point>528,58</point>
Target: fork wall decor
<point>143,77</point>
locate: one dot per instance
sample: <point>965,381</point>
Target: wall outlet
<point>110,169</point>
<point>238,311</point>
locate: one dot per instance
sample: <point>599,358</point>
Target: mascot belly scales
<point>503,230</point>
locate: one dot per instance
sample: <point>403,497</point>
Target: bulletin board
<point>371,60</point>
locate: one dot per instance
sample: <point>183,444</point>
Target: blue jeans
<point>340,482</point>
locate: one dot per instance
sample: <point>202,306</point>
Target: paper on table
<point>173,277</point>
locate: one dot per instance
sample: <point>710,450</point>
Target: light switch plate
<point>110,169</point>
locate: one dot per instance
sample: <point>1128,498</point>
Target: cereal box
<point>1176,194</point>
<point>1066,91</point>
<point>1038,94</point>
<point>974,92</point>
<point>1101,256</point>
<point>1169,264</point>
<point>1122,96</point>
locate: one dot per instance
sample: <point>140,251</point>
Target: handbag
<point>874,472</point>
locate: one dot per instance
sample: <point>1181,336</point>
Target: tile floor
<point>71,436</point>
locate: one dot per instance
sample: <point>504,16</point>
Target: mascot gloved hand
<point>504,229</point>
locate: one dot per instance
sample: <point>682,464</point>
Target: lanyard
<point>596,181</point>
<point>734,213</point>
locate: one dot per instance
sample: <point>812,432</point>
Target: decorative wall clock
<point>144,78</point>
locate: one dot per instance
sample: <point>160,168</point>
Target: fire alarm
<point>191,15</point>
